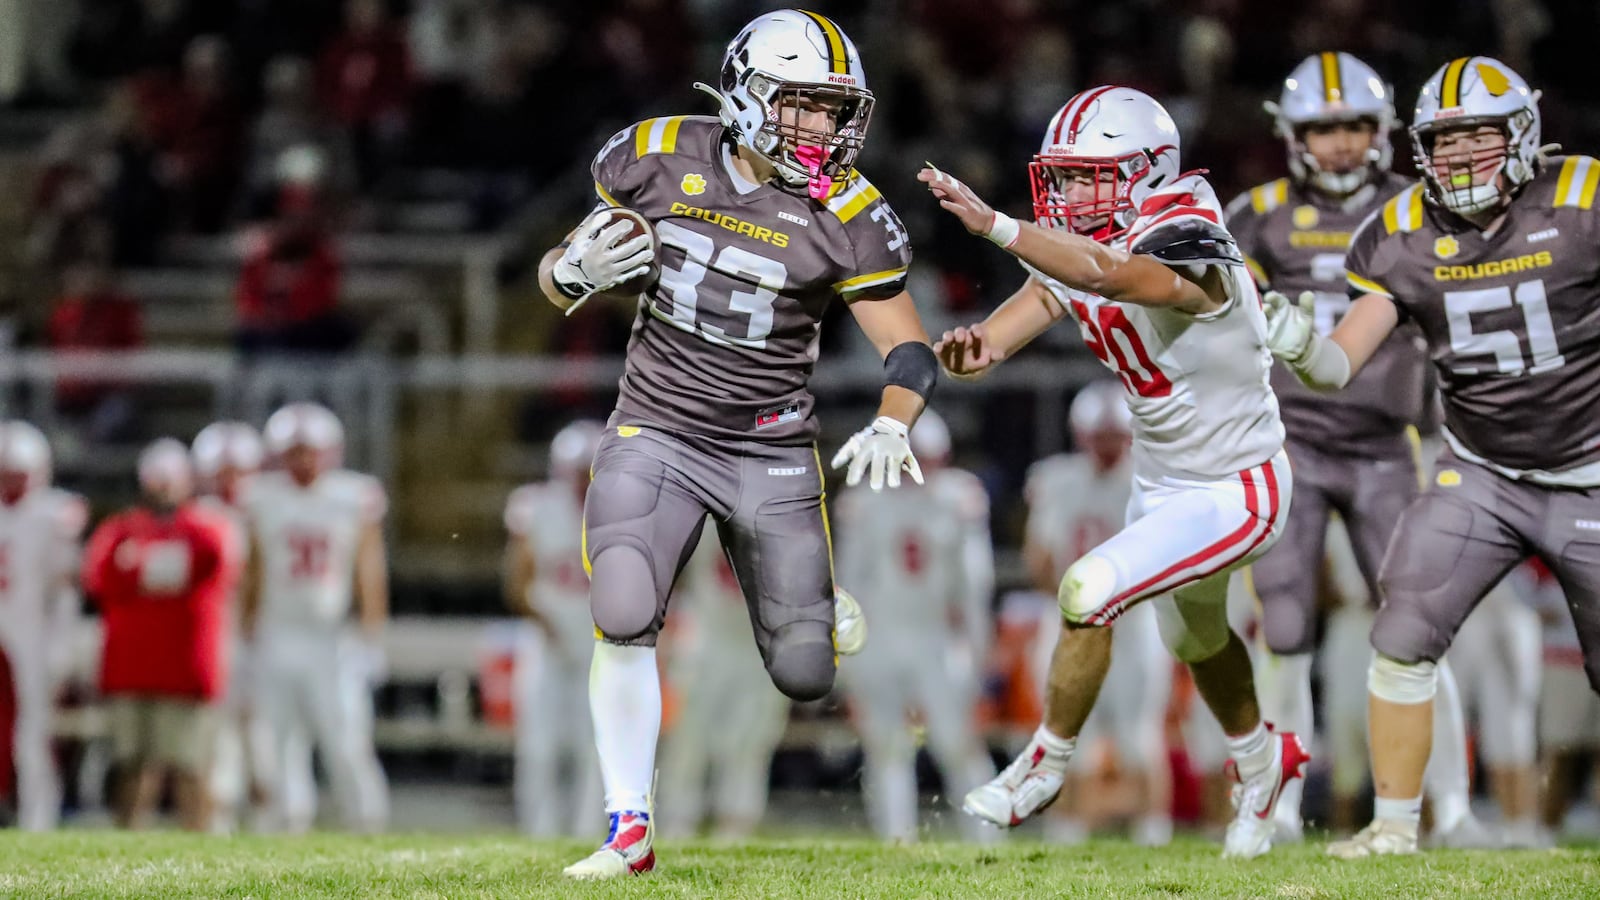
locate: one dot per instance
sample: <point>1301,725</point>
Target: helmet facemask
<point>1103,218</point>
<point>1307,169</point>
<point>1478,180</point>
<point>819,159</point>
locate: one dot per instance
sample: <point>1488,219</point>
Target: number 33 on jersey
<point>726,340</point>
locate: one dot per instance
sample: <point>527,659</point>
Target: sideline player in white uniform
<point>316,532</point>
<point>226,455</point>
<point>546,584</point>
<point>41,528</point>
<point>718,757</point>
<point>1134,250</point>
<point>920,558</point>
<point>1077,502</point>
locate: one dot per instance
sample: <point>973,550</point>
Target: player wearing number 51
<point>1135,251</point>
<point>762,221</point>
<point>1493,255</point>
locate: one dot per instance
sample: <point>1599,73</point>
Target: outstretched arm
<point>1327,363</point>
<point>1077,261</point>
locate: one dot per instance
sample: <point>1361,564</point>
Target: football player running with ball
<point>1492,255</point>
<point>1134,250</point>
<point>1351,450</point>
<point>762,222</point>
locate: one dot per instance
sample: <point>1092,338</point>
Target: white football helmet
<point>165,471</point>
<point>930,439</point>
<point>572,449</point>
<point>1115,129</point>
<point>305,425</point>
<point>784,56</point>
<point>226,445</point>
<point>24,452</point>
<point>1327,88</point>
<point>1466,93</point>
<point>1100,406</point>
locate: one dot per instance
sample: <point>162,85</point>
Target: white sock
<point>1057,750</point>
<point>625,703</point>
<point>1446,781</point>
<point>1392,810</point>
<point>1251,751</point>
<point>1285,685</point>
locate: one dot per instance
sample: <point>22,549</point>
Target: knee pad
<point>1402,632</point>
<point>1402,682</point>
<point>622,595</point>
<point>800,660</point>
<point>1086,588</point>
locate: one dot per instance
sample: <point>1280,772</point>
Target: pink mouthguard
<point>812,157</point>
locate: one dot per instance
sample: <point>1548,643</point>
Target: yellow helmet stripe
<point>836,55</point>
<point>1450,91</point>
<point>1332,86</point>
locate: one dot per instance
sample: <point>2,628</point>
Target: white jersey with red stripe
<point>39,537</point>
<point>307,539</point>
<point>549,517</point>
<point>1198,385</point>
<point>1073,508</point>
<point>709,593</point>
<point>902,554</point>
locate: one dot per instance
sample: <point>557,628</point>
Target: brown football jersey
<point>1512,317</point>
<point>725,341</point>
<point>1294,240</point>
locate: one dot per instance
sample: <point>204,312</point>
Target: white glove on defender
<point>594,261</point>
<point>886,447</point>
<point>1289,326</point>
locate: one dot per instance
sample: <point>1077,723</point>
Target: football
<point>638,285</point>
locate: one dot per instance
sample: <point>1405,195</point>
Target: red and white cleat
<point>628,850</point>
<point>1255,799</point>
<point>1031,783</point>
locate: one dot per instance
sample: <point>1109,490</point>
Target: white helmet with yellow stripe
<point>793,57</point>
<point>1326,88</point>
<point>1468,93</point>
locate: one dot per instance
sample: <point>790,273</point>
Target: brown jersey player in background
<point>1494,256</point>
<point>1351,451</point>
<point>762,222</point>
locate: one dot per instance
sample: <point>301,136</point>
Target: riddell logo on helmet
<point>848,80</point>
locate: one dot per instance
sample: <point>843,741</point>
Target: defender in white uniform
<point>1135,252</point>
<point>41,530</point>
<point>718,756</point>
<point>316,535</point>
<point>906,556</point>
<point>1077,502</point>
<point>547,585</point>
<point>1569,712</point>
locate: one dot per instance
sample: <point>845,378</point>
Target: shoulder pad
<point>850,198</point>
<point>1188,240</point>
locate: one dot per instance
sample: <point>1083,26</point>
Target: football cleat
<point>628,850</point>
<point>1032,782</point>
<point>849,624</point>
<point>1255,799</point>
<point>1384,837</point>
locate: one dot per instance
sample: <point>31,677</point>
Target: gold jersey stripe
<point>605,195</point>
<point>1332,86</point>
<point>1577,182</point>
<point>1267,197</point>
<point>1403,212</point>
<point>1450,90</point>
<point>838,63</point>
<point>657,136</point>
<point>1367,285</point>
<point>868,280</point>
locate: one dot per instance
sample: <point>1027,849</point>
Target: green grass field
<point>103,864</point>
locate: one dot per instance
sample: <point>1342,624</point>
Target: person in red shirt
<point>161,574</point>
<point>94,314</point>
<point>288,291</point>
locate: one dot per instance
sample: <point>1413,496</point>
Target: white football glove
<point>594,261</point>
<point>1289,325</point>
<point>885,446</point>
